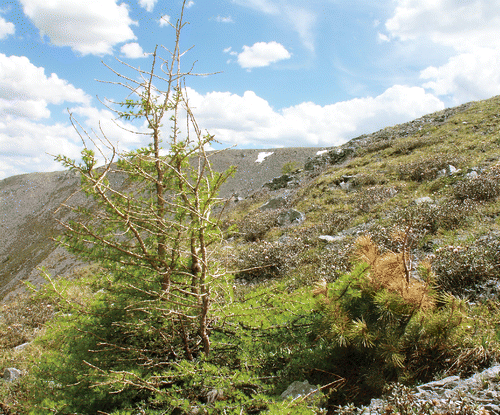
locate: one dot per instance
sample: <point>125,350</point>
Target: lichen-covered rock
<point>481,392</point>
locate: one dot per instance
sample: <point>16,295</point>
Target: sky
<point>286,73</point>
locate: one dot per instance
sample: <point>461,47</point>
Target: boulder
<point>425,199</point>
<point>279,182</point>
<point>297,389</point>
<point>11,374</point>
<point>274,203</point>
<point>290,217</point>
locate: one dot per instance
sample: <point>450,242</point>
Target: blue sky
<point>293,72</point>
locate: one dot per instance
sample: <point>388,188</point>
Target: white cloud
<point>148,4</point>
<point>24,145</point>
<point>265,6</point>
<point>25,93</point>
<point>28,146</point>
<point>469,29</point>
<point>230,51</point>
<point>467,76</point>
<point>383,38</point>
<point>118,132</point>
<point>87,27</point>
<point>25,90</point>
<point>132,50</point>
<point>249,120</point>
<point>302,20</point>
<point>463,25</point>
<point>222,19</point>
<point>6,28</point>
<point>262,54</point>
<point>31,109</point>
<point>190,4</point>
<point>165,20</point>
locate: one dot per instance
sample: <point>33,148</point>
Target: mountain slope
<point>28,203</point>
<point>465,137</point>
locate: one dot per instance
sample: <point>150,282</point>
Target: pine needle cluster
<point>389,319</point>
<point>392,271</point>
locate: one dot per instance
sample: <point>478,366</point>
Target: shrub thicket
<point>367,199</point>
<point>254,226</point>
<point>462,269</point>
<point>427,169</point>
<point>22,318</point>
<point>482,188</point>
<point>430,217</point>
<point>257,262</point>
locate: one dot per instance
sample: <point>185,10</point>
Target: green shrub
<point>462,269</point>
<point>427,169</point>
<point>482,188</point>
<point>289,167</point>
<point>258,262</point>
<point>388,329</point>
<point>365,200</point>
<point>254,226</point>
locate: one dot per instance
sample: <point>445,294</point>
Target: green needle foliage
<point>388,323</point>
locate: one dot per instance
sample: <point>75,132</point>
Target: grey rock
<point>274,203</point>
<point>447,383</point>
<point>298,388</point>
<point>22,346</point>
<point>422,200</point>
<point>481,390</point>
<point>11,374</point>
<point>345,186</point>
<point>329,238</point>
<point>289,217</point>
<point>279,182</point>
<point>331,157</point>
<point>448,171</point>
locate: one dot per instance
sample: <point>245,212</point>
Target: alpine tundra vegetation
<point>372,269</point>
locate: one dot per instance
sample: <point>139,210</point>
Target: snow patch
<point>319,153</point>
<point>262,156</point>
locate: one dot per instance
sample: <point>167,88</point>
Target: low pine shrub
<point>367,199</point>
<point>379,316</point>
<point>430,217</point>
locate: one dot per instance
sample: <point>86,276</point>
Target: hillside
<point>354,267</point>
<point>438,175</point>
<point>28,204</point>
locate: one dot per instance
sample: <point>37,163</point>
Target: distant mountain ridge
<point>28,203</point>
